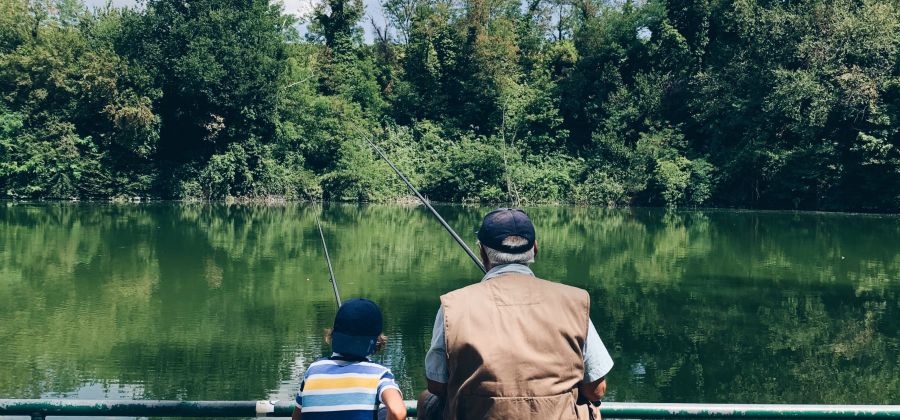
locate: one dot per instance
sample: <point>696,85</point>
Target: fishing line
<point>433,211</point>
<point>337,296</point>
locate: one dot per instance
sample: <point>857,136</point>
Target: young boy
<point>347,385</point>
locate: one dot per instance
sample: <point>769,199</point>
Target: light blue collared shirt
<point>597,361</point>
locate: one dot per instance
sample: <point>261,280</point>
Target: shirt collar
<point>341,356</point>
<point>506,269</point>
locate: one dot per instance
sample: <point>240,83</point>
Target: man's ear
<point>535,248</point>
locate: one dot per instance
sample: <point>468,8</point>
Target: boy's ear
<point>380,343</point>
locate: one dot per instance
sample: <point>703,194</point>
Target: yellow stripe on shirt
<point>315,383</point>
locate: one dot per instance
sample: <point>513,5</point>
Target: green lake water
<point>228,302</point>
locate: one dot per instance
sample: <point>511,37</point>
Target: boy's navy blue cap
<point>357,325</point>
<point>503,223</point>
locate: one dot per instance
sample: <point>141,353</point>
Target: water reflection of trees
<point>703,314</point>
<point>213,301</point>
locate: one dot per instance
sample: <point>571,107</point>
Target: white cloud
<point>298,7</point>
<point>294,7</point>
<point>115,3</point>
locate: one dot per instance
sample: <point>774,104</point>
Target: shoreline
<point>412,201</point>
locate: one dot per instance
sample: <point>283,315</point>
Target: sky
<point>294,7</point>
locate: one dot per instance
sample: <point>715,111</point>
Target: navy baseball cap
<point>357,325</point>
<point>503,223</point>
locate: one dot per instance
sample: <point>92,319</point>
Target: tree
<point>217,65</point>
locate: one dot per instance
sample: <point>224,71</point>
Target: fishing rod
<point>337,296</point>
<point>433,211</point>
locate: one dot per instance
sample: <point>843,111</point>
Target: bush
<point>601,188</point>
<point>358,176</point>
<point>469,171</point>
<point>673,176</point>
<point>544,179</point>
<point>251,170</point>
<point>51,161</point>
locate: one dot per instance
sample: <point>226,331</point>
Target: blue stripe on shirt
<point>345,398</point>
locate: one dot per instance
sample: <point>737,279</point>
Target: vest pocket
<point>472,407</point>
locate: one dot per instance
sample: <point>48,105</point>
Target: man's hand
<point>424,404</point>
<point>593,391</point>
<point>437,388</point>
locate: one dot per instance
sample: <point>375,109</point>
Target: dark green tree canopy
<point>747,103</point>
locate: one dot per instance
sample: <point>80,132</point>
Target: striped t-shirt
<point>343,390</point>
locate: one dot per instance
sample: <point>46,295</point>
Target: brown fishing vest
<point>514,348</point>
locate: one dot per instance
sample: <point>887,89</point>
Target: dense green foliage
<point>750,103</point>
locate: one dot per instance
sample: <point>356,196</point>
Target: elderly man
<point>513,346</point>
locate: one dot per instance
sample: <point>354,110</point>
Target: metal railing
<point>39,409</point>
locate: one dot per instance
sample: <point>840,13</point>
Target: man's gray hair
<point>499,258</point>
